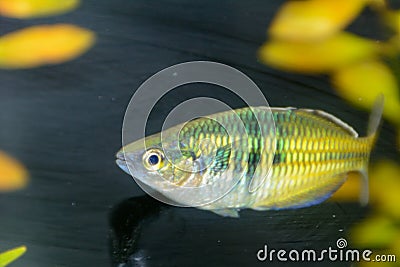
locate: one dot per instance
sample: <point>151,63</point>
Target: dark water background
<point>64,123</point>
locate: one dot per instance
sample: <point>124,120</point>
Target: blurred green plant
<point>381,230</point>
<point>11,255</point>
<point>33,47</point>
<point>42,44</point>
<point>13,174</point>
<point>24,9</point>
<point>308,37</point>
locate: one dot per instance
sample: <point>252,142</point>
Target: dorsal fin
<point>324,115</point>
<point>336,121</point>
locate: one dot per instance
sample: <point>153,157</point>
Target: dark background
<point>64,123</point>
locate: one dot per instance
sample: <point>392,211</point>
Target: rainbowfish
<point>279,158</point>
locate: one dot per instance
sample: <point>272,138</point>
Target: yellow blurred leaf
<point>396,246</point>
<point>350,190</point>
<point>382,236</point>
<point>392,19</point>
<point>361,83</point>
<point>35,8</point>
<point>313,19</point>
<point>377,5</point>
<point>11,255</point>
<point>398,139</point>
<point>384,179</point>
<point>374,263</point>
<point>13,175</point>
<point>384,188</point>
<point>45,44</point>
<point>392,47</point>
<point>395,42</point>
<point>377,231</point>
<point>388,251</point>
<point>317,57</point>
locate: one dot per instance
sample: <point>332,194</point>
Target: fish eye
<point>153,159</point>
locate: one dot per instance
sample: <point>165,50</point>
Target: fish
<point>256,158</point>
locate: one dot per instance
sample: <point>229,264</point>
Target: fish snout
<point>120,155</point>
<point>122,160</point>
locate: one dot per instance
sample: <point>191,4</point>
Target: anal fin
<point>303,196</point>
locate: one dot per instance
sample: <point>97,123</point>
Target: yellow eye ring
<point>153,159</point>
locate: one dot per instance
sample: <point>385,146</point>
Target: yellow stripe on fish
<point>281,157</point>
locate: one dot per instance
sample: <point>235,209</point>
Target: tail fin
<point>375,117</point>
<point>372,133</point>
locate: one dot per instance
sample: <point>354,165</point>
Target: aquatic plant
<point>24,9</point>
<point>308,37</point>
<point>42,44</point>
<point>13,174</point>
<point>11,255</point>
<point>33,47</point>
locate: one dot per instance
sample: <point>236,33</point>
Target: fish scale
<point>314,156</point>
<point>309,147</point>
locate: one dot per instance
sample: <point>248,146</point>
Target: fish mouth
<point>121,162</point>
<point>120,155</point>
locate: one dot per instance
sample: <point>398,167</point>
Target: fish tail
<point>372,134</point>
<point>375,119</point>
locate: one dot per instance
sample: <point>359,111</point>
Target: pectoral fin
<point>233,213</point>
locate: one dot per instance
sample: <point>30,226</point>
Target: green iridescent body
<point>279,158</point>
<point>312,155</point>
